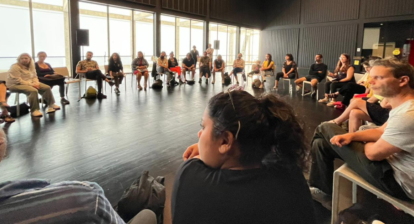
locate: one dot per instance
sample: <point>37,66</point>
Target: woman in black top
<point>252,152</point>
<point>47,75</point>
<point>289,70</point>
<point>115,70</point>
<point>174,67</point>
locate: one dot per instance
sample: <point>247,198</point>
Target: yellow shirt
<point>271,64</point>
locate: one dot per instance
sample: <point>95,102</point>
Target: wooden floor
<point>112,141</point>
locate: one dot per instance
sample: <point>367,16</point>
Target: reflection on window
<point>197,35</point>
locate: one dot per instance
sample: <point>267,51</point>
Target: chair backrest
<point>3,76</point>
<point>62,71</point>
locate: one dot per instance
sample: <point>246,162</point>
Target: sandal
<point>4,104</point>
<point>333,95</point>
<point>8,119</point>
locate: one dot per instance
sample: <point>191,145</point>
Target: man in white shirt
<point>384,156</point>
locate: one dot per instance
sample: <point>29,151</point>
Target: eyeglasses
<point>232,103</point>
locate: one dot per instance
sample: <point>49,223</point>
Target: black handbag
<point>24,109</point>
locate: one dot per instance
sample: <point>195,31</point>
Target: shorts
<point>378,114</point>
<point>310,77</point>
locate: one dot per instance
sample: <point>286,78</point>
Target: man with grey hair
<point>383,156</point>
<point>39,201</point>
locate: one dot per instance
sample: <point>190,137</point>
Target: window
<point>197,35</point>
<point>167,34</point>
<point>249,44</point>
<point>144,35</point>
<point>226,35</point>
<point>183,37</point>
<point>120,35</point>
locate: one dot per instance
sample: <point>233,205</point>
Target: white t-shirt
<point>399,133</point>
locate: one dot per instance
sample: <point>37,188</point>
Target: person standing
<point>116,71</point>
<point>47,75</point>
<point>140,68</point>
<point>91,70</point>
<point>238,66</point>
<point>22,78</point>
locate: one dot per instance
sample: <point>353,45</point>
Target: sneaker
<point>55,107</point>
<point>117,91</point>
<point>101,96</point>
<point>64,101</point>
<point>298,88</point>
<point>50,110</point>
<point>324,100</point>
<point>37,113</point>
<point>321,197</point>
<point>331,104</point>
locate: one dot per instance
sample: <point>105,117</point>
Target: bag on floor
<point>256,84</point>
<point>190,82</point>
<point>91,93</point>
<point>157,84</point>
<point>227,79</point>
<point>173,82</point>
<point>146,192</point>
<point>24,109</point>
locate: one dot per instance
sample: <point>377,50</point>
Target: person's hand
<point>320,72</point>
<point>47,76</point>
<point>36,86</point>
<point>285,75</point>
<point>341,140</point>
<point>191,152</point>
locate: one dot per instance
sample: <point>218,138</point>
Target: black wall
<point>329,27</point>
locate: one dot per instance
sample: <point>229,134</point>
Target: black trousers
<point>204,71</point>
<point>54,82</point>
<point>349,90</point>
<point>333,86</point>
<point>377,173</point>
<point>279,75</point>
<point>98,76</point>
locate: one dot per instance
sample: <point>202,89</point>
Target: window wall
<point>250,44</point>
<point>28,31</point>
<point>227,37</point>
<point>117,30</point>
<point>179,35</point>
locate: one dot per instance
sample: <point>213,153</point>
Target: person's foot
<point>324,100</point>
<point>117,91</point>
<point>331,104</point>
<point>139,87</point>
<point>64,101</point>
<point>264,80</point>
<point>275,87</point>
<point>298,88</point>
<point>213,82</point>
<point>321,197</point>
<point>199,81</point>
<point>37,113</point>
<point>50,110</point>
<point>8,119</point>
<point>101,96</point>
<point>4,104</point>
<point>145,87</point>
<point>237,83</point>
<point>181,82</point>
<point>333,95</point>
<point>55,107</point>
<point>333,121</point>
<point>222,82</point>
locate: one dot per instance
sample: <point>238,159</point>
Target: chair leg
<point>18,105</point>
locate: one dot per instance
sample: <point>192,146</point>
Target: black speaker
<point>217,45</point>
<point>82,37</point>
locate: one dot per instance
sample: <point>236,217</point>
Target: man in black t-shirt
<point>317,73</point>
<point>188,66</point>
<point>219,66</point>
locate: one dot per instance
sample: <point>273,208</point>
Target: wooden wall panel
<point>197,7</point>
<point>383,8</point>
<point>279,43</point>
<point>319,11</point>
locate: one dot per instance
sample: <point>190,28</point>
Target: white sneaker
<point>37,113</point>
<point>54,106</point>
<point>321,197</point>
<point>298,88</point>
<point>50,110</point>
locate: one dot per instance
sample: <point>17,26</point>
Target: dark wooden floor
<point>112,141</point>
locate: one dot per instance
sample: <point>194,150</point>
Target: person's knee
<point>32,91</point>
<point>314,82</point>
<point>356,113</point>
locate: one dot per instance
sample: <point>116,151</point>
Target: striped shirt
<point>38,201</point>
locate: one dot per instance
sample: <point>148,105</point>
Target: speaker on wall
<point>82,37</point>
<point>217,45</point>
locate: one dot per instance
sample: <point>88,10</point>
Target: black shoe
<point>264,80</point>
<point>117,91</point>
<point>111,83</point>
<point>64,101</point>
<point>101,96</point>
<point>206,81</point>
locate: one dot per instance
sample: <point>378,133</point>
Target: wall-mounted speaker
<point>82,37</point>
<point>217,45</point>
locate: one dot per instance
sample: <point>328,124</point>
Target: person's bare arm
<point>370,135</point>
<point>380,150</point>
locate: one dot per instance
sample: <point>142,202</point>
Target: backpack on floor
<point>91,93</point>
<point>157,84</point>
<point>227,79</point>
<point>256,83</point>
<point>146,192</point>
<point>190,82</point>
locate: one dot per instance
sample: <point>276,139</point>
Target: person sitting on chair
<point>219,66</point>
<point>384,157</point>
<point>316,74</point>
<point>22,78</point>
<point>162,67</point>
<point>205,65</point>
<point>116,71</point>
<point>249,162</point>
<point>238,66</point>
<point>91,70</point>
<point>64,202</point>
<point>343,74</point>
<point>268,68</point>
<point>189,66</point>
<point>140,68</point>
<point>3,103</point>
<point>289,70</point>
<point>173,66</point>
<point>47,75</point>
